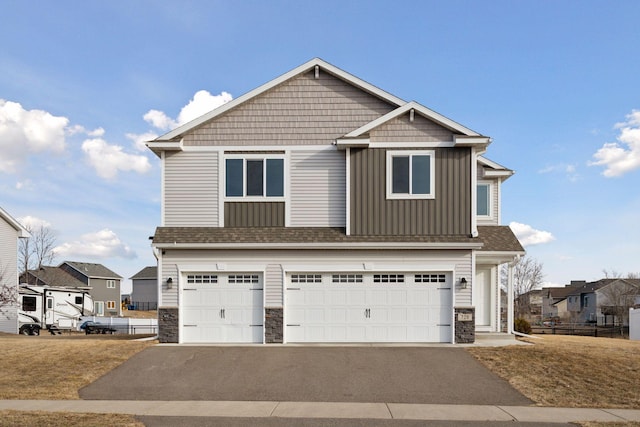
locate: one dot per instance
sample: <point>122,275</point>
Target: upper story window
<point>411,174</point>
<point>250,176</point>
<point>483,200</point>
<point>111,284</point>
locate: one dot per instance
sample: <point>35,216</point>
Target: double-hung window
<point>254,177</point>
<point>411,174</point>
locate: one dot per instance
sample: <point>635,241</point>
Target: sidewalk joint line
<point>507,412</point>
<point>615,415</point>
<point>274,409</point>
<point>389,410</point>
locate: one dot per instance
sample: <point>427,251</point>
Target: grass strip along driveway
<point>570,371</point>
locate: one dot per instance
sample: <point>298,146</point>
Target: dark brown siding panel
<point>254,214</point>
<point>448,214</point>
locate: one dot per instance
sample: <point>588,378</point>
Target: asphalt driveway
<point>305,374</point>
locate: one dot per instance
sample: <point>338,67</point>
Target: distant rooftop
<point>93,270</point>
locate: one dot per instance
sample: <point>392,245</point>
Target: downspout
<point>510,299</point>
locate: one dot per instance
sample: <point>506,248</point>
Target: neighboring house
<point>529,305</point>
<point>144,294</point>
<point>320,208</point>
<point>605,301</point>
<point>51,276</point>
<point>10,232</point>
<point>104,284</point>
<point>552,296</point>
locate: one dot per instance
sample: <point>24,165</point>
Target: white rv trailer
<point>43,307</point>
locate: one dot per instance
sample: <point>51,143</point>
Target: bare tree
<point>8,294</point>
<point>617,298</point>
<point>527,276</point>
<point>37,250</point>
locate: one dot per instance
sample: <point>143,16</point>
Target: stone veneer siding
<point>465,329</point>
<point>168,324</point>
<point>273,325</point>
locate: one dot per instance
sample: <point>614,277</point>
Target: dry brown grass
<point>55,367</point>
<point>56,419</point>
<point>140,314</point>
<point>568,371</point>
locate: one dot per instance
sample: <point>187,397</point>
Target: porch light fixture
<point>169,283</point>
<point>463,283</point>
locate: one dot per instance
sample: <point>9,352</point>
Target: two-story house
<point>104,284</point>
<point>320,208</point>
<point>10,231</point>
<point>144,289</point>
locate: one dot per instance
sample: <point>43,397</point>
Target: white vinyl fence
<point>126,325</point>
<point>634,324</point>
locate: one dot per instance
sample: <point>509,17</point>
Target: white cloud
<point>622,156</point>
<point>529,236</point>
<point>140,139</point>
<point>33,222</point>
<point>570,171</point>
<point>25,185</point>
<point>108,159</point>
<point>24,132</point>
<point>102,244</point>
<point>201,103</point>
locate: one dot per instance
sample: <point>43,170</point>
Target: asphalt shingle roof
<point>52,276</point>
<point>494,238</point>
<point>93,270</point>
<point>146,273</point>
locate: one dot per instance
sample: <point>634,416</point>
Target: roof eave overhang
<point>344,143</point>
<point>311,246</point>
<point>498,256</point>
<point>157,147</point>
<point>471,141</point>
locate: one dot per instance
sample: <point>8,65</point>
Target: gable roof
<point>492,169</point>
<point>92,270</point>
<point>178,132</point>
<point>51,276</point>
<point>22,231</point>
<point>463,136</point>
<point>150,272</point>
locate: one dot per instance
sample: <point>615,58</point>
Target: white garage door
<point>222,308</point>
<point>412,307</point>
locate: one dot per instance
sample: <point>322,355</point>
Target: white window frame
<point>264,197</point>
<point>111,303</point>
<point>490,201</point>
<point>111,284</point>
<point>98,307</point>
<point>410,153</point>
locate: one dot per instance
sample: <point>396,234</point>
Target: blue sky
<point>555,84</point>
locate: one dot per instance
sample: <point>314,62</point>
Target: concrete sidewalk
<point>328,410</point>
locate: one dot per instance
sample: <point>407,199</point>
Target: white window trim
<point>111,284</point>
<point>98,306</point>
<point>244,197</point>
<point>490,201</point>
<point>389,174</point>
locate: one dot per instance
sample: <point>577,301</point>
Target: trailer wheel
<point>24,330</point>
<point>36,330</point>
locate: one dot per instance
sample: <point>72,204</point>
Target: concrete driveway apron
<point>403,374</point>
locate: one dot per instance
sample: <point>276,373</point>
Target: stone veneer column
<point>465,325</point>
<point>273,325</point>
<point>168,324</point>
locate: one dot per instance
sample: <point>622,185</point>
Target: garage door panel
<point>219,308</point>
<point>372,311</point>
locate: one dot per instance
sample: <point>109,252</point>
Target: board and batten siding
<point>9,276</point>
<point>191,189</point>
<point>254,214</point>
<point>448,214</point>
<point>317,187</point>
<point>299,111</point>
<point>275,263</point>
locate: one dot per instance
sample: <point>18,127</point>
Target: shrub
<point>521,325</point>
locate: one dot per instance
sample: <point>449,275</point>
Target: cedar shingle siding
<point>300,111</point>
